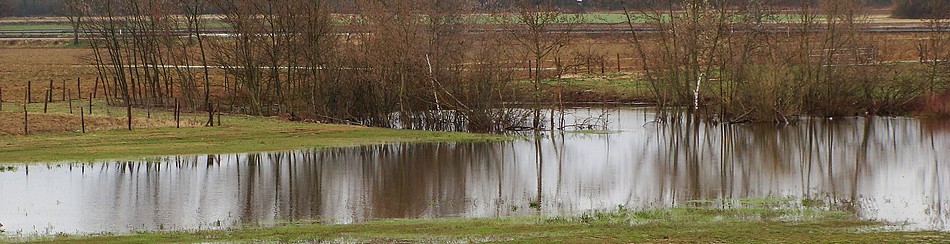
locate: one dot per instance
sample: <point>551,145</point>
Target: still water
<point>893,169</point>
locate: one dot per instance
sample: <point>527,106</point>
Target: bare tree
<point>75,11</point>
<point>416,64</point>
<point>687,48</point>
<point>729,61</point>
<point>935,51</point>
<point>539,30</point>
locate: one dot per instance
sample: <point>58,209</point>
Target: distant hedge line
<point>922,9</point>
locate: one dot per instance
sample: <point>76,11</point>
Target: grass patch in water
<point>763,222</point>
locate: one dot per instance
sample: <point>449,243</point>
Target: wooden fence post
<point>177,114</point>
<point>50,91</point>
<point>79,88</point>
<point>603,66</point>
<point>128,113</point>
<point>90,103</point>
<point>216,111</point>
<point>618,63</point>
<point>95,89</point>
<point>1,99</point>
<point>70,99</point>
<point>588,66</point>
<point>82,117</point>
<point>46,101</point>
<point>29,86</point>
<point>26,118</point>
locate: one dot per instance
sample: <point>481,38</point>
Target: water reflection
<point>882,168</point>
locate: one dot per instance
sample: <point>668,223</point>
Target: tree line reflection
<point>882,168</point>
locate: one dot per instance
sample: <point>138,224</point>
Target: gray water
<point>893,169</point>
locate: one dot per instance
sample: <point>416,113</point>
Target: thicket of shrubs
<point>725,63</point>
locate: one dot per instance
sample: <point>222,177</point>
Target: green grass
<point>34,26</point>
<point>611,87</point>
<point>237,134</point>
<point>611,81</point>
<point>745,222</point>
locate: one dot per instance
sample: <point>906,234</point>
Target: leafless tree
<point>75,11</point>
<point>539,30</point>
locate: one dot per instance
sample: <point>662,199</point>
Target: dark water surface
<point>893,169</point>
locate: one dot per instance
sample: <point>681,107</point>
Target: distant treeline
<point>31,7</point>
<point>909,8</point>
<point>922,9</point>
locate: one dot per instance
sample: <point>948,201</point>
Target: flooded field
<point>893,169</point>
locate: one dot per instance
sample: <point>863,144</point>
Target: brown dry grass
<point>11,123</point>
<point>937,105</point>
<point>40,61</point>
<point>20,64</point>
<point>889,47</point>
<point>39,65</point>
<point>58,118</point>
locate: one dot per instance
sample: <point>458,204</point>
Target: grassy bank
<point>750,223</point>
<point>56,135</point>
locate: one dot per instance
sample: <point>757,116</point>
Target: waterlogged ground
<point>891,169</point>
